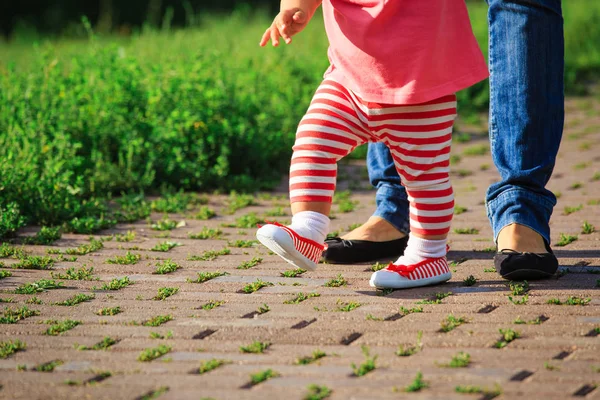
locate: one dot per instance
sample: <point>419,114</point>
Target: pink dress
<point>402,51</point>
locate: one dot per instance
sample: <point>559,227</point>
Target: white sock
<point>312,225</point>
<point>419,249</point>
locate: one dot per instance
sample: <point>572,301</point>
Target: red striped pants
<point>418,135</point>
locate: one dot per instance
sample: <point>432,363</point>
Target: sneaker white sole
<point>280,242</point>
<point>392,280</point>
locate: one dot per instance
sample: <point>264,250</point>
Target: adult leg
<point>526,58</point>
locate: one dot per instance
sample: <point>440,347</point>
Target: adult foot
<point>521,239</point>
<point>376,229</point>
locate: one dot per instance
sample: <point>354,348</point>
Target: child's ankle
<point>312,225</point>
<point>419,249</point>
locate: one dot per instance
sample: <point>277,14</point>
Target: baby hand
<point>286,24</point>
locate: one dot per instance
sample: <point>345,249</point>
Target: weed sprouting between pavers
<point>166,267</point>
<point>244,244</point>
<point>154,353</point>
<point>45,236</point>
<point>316,392</point>
<point>451,322</point>
<point>347,307</point>
<point>378,266</point>
<point>262,376</point>
<point>416,385</point>
<point>469,281</point>
<point>337,281</point>
<point>537,321</point>
<point>466,231</point>
<point>177,202</point>
<point>164,224</point>
<point>79,274</point>
<point>460,360</point>
<point>249,264</point>
<point>488,394</point>
<point>316,355</point>
<point>12,316</point>
<point>238,201</point>
<point>254,286</point>
<point>587,228</point>
<point>115,284</point>
<point>125,237</point>
<point>34,300</point>
<point>212,304</point>
<point>436,298</point>
<point>59,327</point>
<point>250,220</point>
<point>209,365</point>
<point>165,246</point>
<point>165,292</point>
<point>300,297</point>
<point>104,344</point>
<point>97,378</point>
<point>571,301</point>
<point>39,286</point>
<point>293,273</point>
<point>210,255</point>
<point>7,300</point>
<point>6,250</point>
<point>263,309</point>
<point>407,351</point>
<point>405,311</point>
<point>206,233</point>
<point>156,335</point>
<point>565,239</point>
<point>519,302</point>
<point>84,249</point>
<point>127,259</point>
<point>206,276</point>
<point>519,288</point>
<point>78,298</point>
<point>5,274</point>
<point>255,347</point>
<point>49,366</point>
<point>109,311</point>
<point>205,213</point>
<point>34,262</point>
<point>158,320</point>
<point>10,347</point>
<point>508,335</point>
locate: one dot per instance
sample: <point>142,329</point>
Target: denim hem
<point>522,207</point>
<point>392,205</point>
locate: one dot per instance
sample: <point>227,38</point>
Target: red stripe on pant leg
<point>418,194</point>
<point>314,160</point>
<point>429,232</point>
<point>431,220</point>
<point>418,153</point>
<point>308,199</point>
<point>415,115</point>
<point>312,185</point>
<point>313,172</point>
<point>433,207</point>
<point>340,138</point>
<point>320,148</point>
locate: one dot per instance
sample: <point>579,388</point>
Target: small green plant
<point>39,286</point>
<point>78,298</point>
<point>49,366</point>
<point>5,274</point>
<point>206,234</point>
<point>176,202</point>
<point>568,210</point>
<point>489,270</point>
<point>488,394</point>
<point>576,185</point>
<point>378,266</point>
<point>346,206</point>
<point>84,249</point>
<point>316,392</point>
<point>155,394</point>
<point>571,301</point>
<point>205,213</point>
<point>469,281</point>
<point>156,335</point>
<point>210,255</point>
<point>79,274</point>
<point>336,282</point>
<point>466,231</point>
<point>263,309</point>
<point>154,353</point>
<point>519,288</point>
<point>9,300</point>
<point>436,298</point>
<point>6,250</point>
<point>34,262</point>
<point>519,302</point>
<point>417,384</point>
<point>459,210</point>
<point>165,246</point>
<point>104,344</point>
<point>255,347</point>
<point>10,347</point>
<point>166,267</point>
<point>165,292</point>
<point>587,228</point>
<point>46,236</point>
<point>249,264</point>
<point>406,351</point>
<point>254,286</point>
<point>209,365</point>
<point>164,224</point>
<point>109,311</point>
<point>244,244</point>
<point>316,355</point>
<point>535,321</point>
<point>61,327</point>
<point>460,360</point>
<point>300,297</point>
<point>125,237</point>
<point>367,366</point>
<point>250,220</point>
<point>127,259</point>
<point>293,273</point>
<point>566,239</point>
<point>551,367</point>
<point>276,212</point>
<point>478,150</point>
<point>206,276</point>
<point>116,284</point>
<point>347,307</point>
<point>12,316</point>
<point>451,322</point>
<point>405,311</point>
<point>238,201</point>
<point>212,304</point>
<point>508,335</point>
<point>262,376</point>
<point>158,320</point>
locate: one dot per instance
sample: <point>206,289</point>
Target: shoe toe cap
<point>384,278</point>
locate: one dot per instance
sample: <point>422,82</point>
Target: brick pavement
<point>557,355</point>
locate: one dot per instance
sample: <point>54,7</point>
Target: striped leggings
<point>419,137</point>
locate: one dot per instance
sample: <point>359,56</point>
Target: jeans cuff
<point>520,206</point>
<point>392,205</point>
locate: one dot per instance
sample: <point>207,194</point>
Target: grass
<point>460,210</point>
<point>316,355</point>
<point>154,394</point>
<point>34,262</point>
<point>165,292</point>
<point>469,281</point>
<point>254,286</point>
<point>116,284</point>
<point>49,366</point>
<point>154,353</point>
<point>250,220</point>
<point>477,150</point>
<point>12,316</point>
<point>93,246</point>
<point>405,311</point>
<point>519,302</point>
<point>78,298</point>
<point>61,327</point>
<point>488,394</point>
<point>6,250</point>
<point>436,298</point>
<point>39,286</point>
<point>207,366</point>
<point>568,210</point>
<point>316,392</point>
<point>165,246</point>
<point>210,255</point>
<point>104,344</point>
<point>79,274</point>
<point>519,288</point>
<point>366,366</point>
<point>5,274</point>
<point>460,360</point>
<point>206,234</point>
<point>250,264</point>
<point>571,301</point>
<point>255,347</point>
<point>337,281</point>
<point>536,321</point>
<point>451,322</point>
<point>587,228</point>
<point>127,259</point>
<point>158,320</point>
<point>156,335</point>
<point>466,231</point>
<point>45,236</point>
<point>347,307</point>
<point>293,273</point>
<point>263,309</point>
<point>205,213</point>
<point>238,201</point>
<point>262,376</point>
<point>407,351</point>
<point>300,297</point>
<point>109,311</point>
<point>206,276</point>
<point>166,267</point>
<point>212,304</point>
<point>10,347</point>
<point>244,244</point>
<point>508,335</point>
<point>566,239</point>
<point>164,224</point>
<point>125,237</point>
<point>378,266</point>
<point>417,384</point>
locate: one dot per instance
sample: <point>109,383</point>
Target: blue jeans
<point>526,59</point>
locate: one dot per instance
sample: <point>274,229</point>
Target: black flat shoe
<point>517,266</point>
<point>341,251</point>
